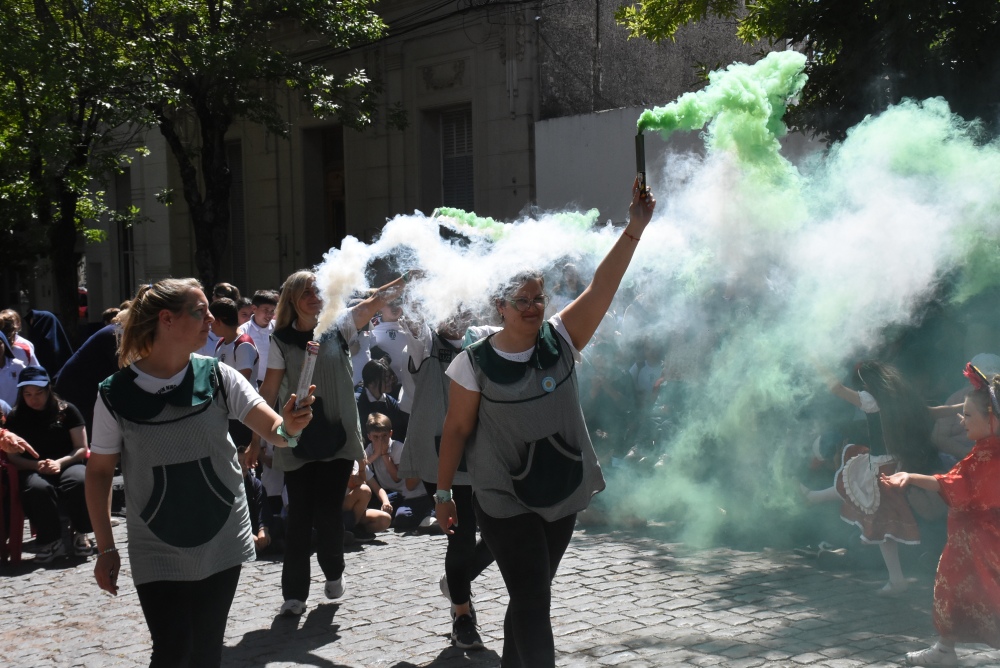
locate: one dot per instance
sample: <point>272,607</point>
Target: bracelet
<point>633,238</point>
<point>292,441</point>
<point>107,551</point>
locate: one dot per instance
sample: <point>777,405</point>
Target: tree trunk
<point>65,262</point>
<point>209,212</point>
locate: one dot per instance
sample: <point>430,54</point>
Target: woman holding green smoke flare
<point>515,415</point>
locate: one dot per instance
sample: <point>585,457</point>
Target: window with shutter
<point>456,159</point>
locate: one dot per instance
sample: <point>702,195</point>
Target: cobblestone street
<point>620,599</point>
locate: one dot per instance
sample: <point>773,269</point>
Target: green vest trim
<point>504,371</point>
<point>197,390</point>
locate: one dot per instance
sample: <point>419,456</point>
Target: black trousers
<point>315,499</point>
<point>528,551</point>
<point>187,619</point>
<point>42,496</point>
<point>466,558</point>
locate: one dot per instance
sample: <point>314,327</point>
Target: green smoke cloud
<point>820,264</point>
<point>466,221</point>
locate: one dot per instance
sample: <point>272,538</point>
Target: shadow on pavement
<point>288,642</point>
<point>453,657</point>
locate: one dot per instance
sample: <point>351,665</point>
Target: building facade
<point>473,81</point>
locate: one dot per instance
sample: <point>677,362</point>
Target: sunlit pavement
<point>620,599</point>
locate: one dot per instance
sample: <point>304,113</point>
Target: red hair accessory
<point>976,377</point>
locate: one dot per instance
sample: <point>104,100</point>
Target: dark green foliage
<point>863,54</point>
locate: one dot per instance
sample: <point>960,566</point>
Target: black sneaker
<point>464,634</point>
<point>50,552</point>
<point>362,536</point>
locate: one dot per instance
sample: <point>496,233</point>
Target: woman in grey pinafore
<point>165,416</point>
<point>515,414</point>
<point>317,470</point>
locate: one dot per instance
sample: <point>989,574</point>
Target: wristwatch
<point>442,496</point>
<point>292,440</point>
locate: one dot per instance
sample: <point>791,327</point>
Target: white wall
<point>588,161</point>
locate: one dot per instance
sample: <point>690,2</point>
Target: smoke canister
<point>308,366</point>
<point>640,162</point>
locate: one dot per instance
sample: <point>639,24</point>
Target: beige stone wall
<point>511,66</point>
<point>587,63</point>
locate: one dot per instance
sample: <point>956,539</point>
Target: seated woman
<point>54,481</point>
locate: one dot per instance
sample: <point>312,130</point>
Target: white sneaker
<point>935,655</point>
<point>335,588</point>
<point>429,521</point>
<point>292,608</point>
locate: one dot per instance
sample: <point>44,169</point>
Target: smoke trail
<point>752,269</point>
<point>460,273</point>
<point>743,106</point>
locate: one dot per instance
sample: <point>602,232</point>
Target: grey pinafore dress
<point>531,451</point>
<point>430,404</point>
<point>188,515</point>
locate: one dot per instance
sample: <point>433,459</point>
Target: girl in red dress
<point>967,585</point>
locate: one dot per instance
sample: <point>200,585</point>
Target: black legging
<point>187,619</point>
<point>528,551</point>
<point>466,558</point>
<point>315,498</point>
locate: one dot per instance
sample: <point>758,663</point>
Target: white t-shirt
<point>240,357</point>
<point>381,472</point>
<point>261,337</point>
<point>461,370</point>
<point>240,397</point>
<point>391,337</point>
<point>362,356</point>
<point>345,323</point>
<point>9,373</point>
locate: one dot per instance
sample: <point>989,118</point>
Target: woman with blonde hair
<point>317,471</point>
<point>165,415</point>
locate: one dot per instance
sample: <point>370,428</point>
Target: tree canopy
<point>864,55</point>
<point>206,63</point>
<point>81,79</point>
<point>61,130</point>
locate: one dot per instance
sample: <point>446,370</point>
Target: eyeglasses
<point>522,303</point>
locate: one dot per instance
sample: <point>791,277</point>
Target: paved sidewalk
<point>620,599</point>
